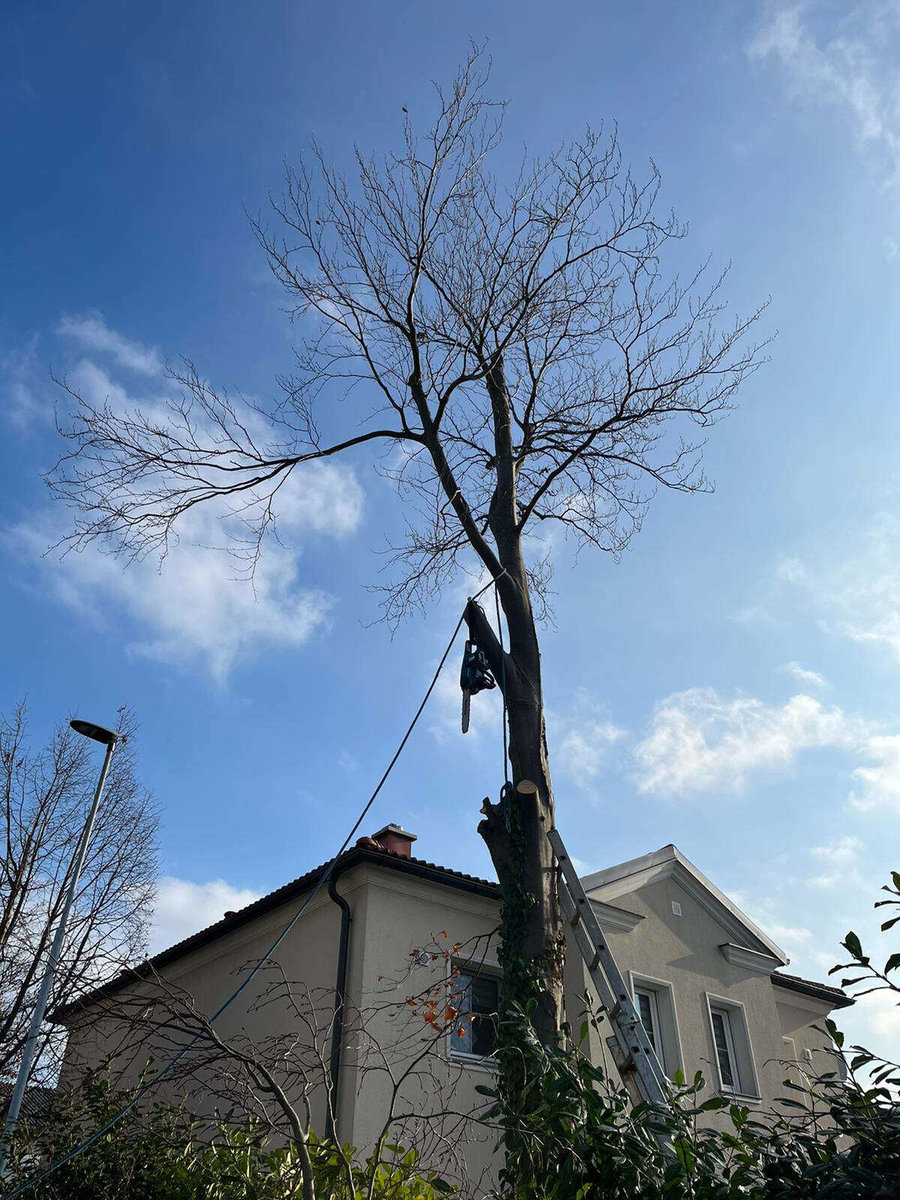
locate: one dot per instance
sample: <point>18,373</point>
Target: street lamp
<point>97,733</point>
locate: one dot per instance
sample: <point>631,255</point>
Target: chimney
<point>395,839</point>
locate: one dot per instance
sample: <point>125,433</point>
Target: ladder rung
<point>635,1054</point>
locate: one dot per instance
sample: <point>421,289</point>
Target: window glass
<point>647,1010</point>
<point>476,996</point>
<point>721,1023</point>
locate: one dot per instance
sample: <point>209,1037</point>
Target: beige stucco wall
<point>399,915</point>
<point>394,914</point>
<point>307,957</point>
<point>685,953</point>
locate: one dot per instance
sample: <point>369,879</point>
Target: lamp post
<point>106,736</point>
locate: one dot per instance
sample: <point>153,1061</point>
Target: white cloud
<point>189,608</point>
<point>881,781</point>
<point>805,677</point>
<point>97,387</point>
<point>22,396</point>
<point>183,908</point>
<point>699,741</point>
<point>321,497</point>
<point>767,608</point>
<point>850,66</point>
<point>765,912</point>
<point>91,331</point>
<point>840,860</point>
<point>882,1015</point>
<point>348,762</point>
<point>583,867</point>
<point>582,738</point>
<point>856,586</point>
<point>318,497</point>
<point>874,1022</point>
<point>790,570</point>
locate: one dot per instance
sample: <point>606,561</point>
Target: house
<point>35,1103</point>
<point>377,1005</point>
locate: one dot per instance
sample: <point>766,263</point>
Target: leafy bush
<point>567,1131</point>
<point>571,1133</point>
<point>142,1158</point>
<point>160,1154</point>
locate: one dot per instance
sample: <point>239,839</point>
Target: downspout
<point>340,997</point>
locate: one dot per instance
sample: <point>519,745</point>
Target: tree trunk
<point>515,830</point>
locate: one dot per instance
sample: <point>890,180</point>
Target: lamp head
<point>95,732</point>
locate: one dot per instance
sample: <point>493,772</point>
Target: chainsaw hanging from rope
<point>474,676</point>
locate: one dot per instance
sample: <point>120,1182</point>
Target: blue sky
<point>731,685</point>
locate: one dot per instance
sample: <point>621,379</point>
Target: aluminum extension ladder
<point>635,1058</point>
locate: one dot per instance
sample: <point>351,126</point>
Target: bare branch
<point>412,285</point>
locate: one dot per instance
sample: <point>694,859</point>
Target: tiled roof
<point>35,1102</point>
<point>370,854</point>
<point>809,987</point>
<point>373,855</point>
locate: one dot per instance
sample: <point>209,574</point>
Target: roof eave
<point>668,862</point>
<point>355,856</point>
<point>816,991</point>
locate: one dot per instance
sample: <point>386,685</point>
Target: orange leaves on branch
<point>429,1014</point>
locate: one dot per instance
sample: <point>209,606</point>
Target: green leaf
<point>712,1105</point>
<point>852,942</point>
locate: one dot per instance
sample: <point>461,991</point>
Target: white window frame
<point>738,1044</point>
<point>791,1061</point>
<point>465,1058</point>
<point>665,1016</point>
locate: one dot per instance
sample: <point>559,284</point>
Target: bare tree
<point>516,350</point>
<point>46,796</point>
<point>393,1046</point>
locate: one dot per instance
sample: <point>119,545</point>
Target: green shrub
<point>570,1133</point>
<point>159,1153</point>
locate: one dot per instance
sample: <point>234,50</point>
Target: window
<point>648,1007</point>
<point>791,1064</point>
<point>731,1047</point>
<point>476,995</point>
<point>725,1051</point>
<point>655,1003</point>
